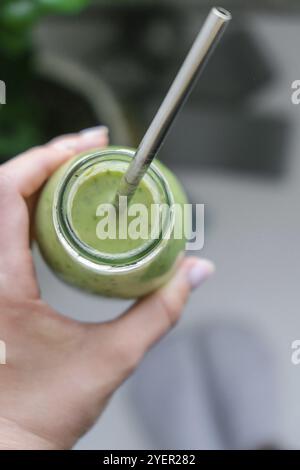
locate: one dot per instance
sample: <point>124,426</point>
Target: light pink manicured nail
<point>64,145</point>
<point>199,272</point>
<point>94,133</point>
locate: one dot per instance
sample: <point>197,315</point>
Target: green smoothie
<point>101,189</point>
<point>66,222</point>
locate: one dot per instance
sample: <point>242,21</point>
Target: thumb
<point>152,317</point>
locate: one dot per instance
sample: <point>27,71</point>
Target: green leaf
<point>19,14</point>
<point>64,6</point>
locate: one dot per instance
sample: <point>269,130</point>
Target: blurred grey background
<point>235,147</point>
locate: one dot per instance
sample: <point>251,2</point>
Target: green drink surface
<point>98,189</point>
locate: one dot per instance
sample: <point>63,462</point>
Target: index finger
<point>30,170</point>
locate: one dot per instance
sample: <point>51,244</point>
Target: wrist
<point>14,437</point>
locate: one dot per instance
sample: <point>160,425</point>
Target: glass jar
<point>128,274</point>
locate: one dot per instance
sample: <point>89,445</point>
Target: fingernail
<point>95,132</point>
<point>67,145</point>
<point>199,272</point>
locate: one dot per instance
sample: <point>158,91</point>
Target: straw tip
<point>222,13</point>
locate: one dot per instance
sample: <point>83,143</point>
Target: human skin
<point>60,373</point>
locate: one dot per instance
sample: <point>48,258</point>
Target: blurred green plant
<point>17,17</point>
<point>21,120</point>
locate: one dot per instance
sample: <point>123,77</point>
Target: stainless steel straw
<point>194,63</point>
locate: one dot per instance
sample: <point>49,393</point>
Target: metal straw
<point>194,63</point>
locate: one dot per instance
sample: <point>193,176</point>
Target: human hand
<point>60,373</point>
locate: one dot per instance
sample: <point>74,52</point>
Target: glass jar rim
<point>81,252</point>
